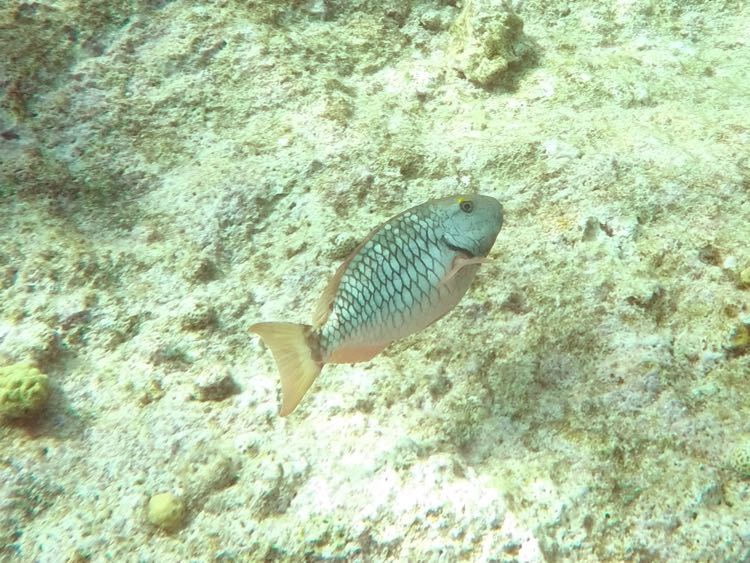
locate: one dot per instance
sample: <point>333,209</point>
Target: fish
<point>406,274</point>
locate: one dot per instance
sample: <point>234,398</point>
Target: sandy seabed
<point>172,172</point>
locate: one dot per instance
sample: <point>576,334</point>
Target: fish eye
<point>467,206</point>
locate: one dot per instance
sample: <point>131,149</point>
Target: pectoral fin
<point>460,262</point>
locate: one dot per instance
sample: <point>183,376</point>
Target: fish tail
<point>296,349</point>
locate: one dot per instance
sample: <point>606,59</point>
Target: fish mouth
<point>455,248</point>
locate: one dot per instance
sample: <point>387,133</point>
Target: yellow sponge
<point>166,511</point>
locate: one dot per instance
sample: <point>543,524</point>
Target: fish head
<point>472,223</point>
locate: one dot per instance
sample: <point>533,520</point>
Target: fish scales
<point>409,272</point>
<point>399,284</point>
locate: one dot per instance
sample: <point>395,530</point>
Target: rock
<point>215,385</point>
<point>487,39</point>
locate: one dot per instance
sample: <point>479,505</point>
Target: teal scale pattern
<point>394,277</point>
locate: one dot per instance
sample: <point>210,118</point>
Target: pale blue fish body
<point>397,282</point>
<point>408,272</point>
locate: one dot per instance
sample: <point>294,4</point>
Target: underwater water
<point>173,173</point>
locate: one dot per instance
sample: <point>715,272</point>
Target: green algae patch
<point>739,457</point>
<point>739,340</point>
<point>24,391</point>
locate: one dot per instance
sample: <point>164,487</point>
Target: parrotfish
<point>405,275</point>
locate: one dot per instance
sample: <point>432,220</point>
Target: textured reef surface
<point>172,172</point>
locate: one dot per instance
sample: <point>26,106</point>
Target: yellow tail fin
<point>294,347</point>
